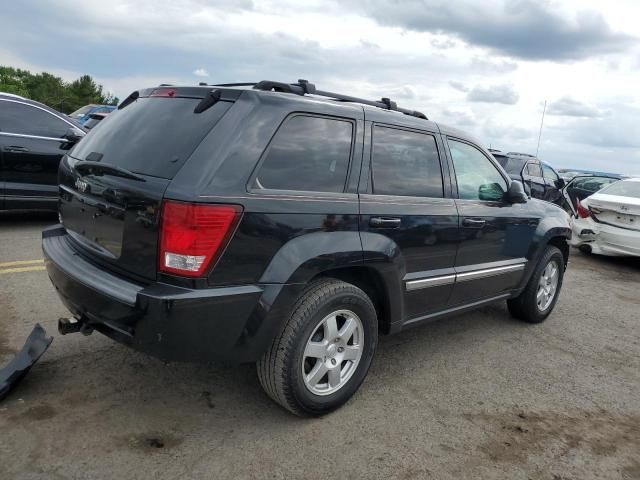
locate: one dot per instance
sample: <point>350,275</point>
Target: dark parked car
<point>33,139</point>
<point>261,224</point>
<point>94,119</point>
<point>540,179</point>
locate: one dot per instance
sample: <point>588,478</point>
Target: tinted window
<point>513,166</point>
<point>405,163</point>
<point>592,184</point>
<point>624,189</point>
<point>28,120</point>
<point>534,170</point>
<point>549,173</point>
<point>307,154</point>
<point>152,136</point>
<point>477,177</point>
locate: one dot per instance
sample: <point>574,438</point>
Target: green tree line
<point>54,91</point>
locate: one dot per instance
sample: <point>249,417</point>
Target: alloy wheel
<point>332,352</point>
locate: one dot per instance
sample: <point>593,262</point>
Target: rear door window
<point>307,153</point>
<point>152,136</point>
<point>405,163</point>
<point>25,119</point>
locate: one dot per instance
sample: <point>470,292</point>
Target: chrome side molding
<point>488,272</point>
<point>430,282</point>
<point>462,277</point>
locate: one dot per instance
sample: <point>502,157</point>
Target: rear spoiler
<point>168,91</point>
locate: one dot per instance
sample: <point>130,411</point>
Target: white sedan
<point>608,222</point>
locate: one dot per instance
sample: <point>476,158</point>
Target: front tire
<point>324,351</point>
<point>539,297</point>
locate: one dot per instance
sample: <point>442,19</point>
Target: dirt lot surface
<point>477,396</point>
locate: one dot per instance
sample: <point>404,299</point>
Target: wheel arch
<point>562,243</point>
<point>371,282</point>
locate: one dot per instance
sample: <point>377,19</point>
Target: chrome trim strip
<point>488,272</point>
<point>30,197</point>
<point>291,198</point>
<point>430,282</point>
<point>461,277</point>
<point>22,135</point>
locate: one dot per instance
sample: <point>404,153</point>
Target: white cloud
<point>200,72</point>
<point>504,94</point>
<point>440,62</point>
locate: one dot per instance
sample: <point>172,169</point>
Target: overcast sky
<point>485,66</point>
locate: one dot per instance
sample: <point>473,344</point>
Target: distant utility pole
<point>541,124</point>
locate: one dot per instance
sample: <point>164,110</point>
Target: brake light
<point>582,211</point>
<point>163,92</point>
<point>193,235</point>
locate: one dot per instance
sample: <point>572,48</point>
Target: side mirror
<point>491,192</point>
<point>74,135</point>
<point>560,183</point>
<point>516,193</point>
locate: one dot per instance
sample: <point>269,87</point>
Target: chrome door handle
<point>15,149</point>
<point>473,222</point>
<point>384,222</point>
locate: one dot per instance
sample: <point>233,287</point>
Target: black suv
<point>279,224</point>
<point>539,178</point>
<point>33,139</point>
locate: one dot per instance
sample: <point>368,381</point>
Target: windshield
<point>152,136</point>
<point>81,111</point>
<point>623,188</point>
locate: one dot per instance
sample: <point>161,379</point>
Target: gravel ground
<point>477,396</point>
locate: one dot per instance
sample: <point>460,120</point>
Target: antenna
<point>541,124</point>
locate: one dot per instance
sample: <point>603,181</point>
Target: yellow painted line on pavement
<point>21,262</point>
<point>22,269</point>
<point>19,266</point>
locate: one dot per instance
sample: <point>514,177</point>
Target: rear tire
<point>323,352</point>
<point>539,297</point>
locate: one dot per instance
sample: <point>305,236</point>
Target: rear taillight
<point>581,210</point>
<point>193,235</point>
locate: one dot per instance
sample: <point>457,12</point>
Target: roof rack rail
<point>304,87</point>
<point>521,154</point>
<point>245,84</point>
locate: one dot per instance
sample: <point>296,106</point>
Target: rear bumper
<point>234,324</point>
<point>605,239</point>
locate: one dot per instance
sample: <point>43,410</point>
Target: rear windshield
<point>152,136</point>
<point>623,189</point>
<point>513,166</point>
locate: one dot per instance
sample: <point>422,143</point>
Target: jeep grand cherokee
<point>279,224</point>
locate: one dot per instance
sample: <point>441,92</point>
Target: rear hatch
<point>618,211</point>
<point>112,183</point>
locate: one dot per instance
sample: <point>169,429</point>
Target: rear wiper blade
<point>98,168</point>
